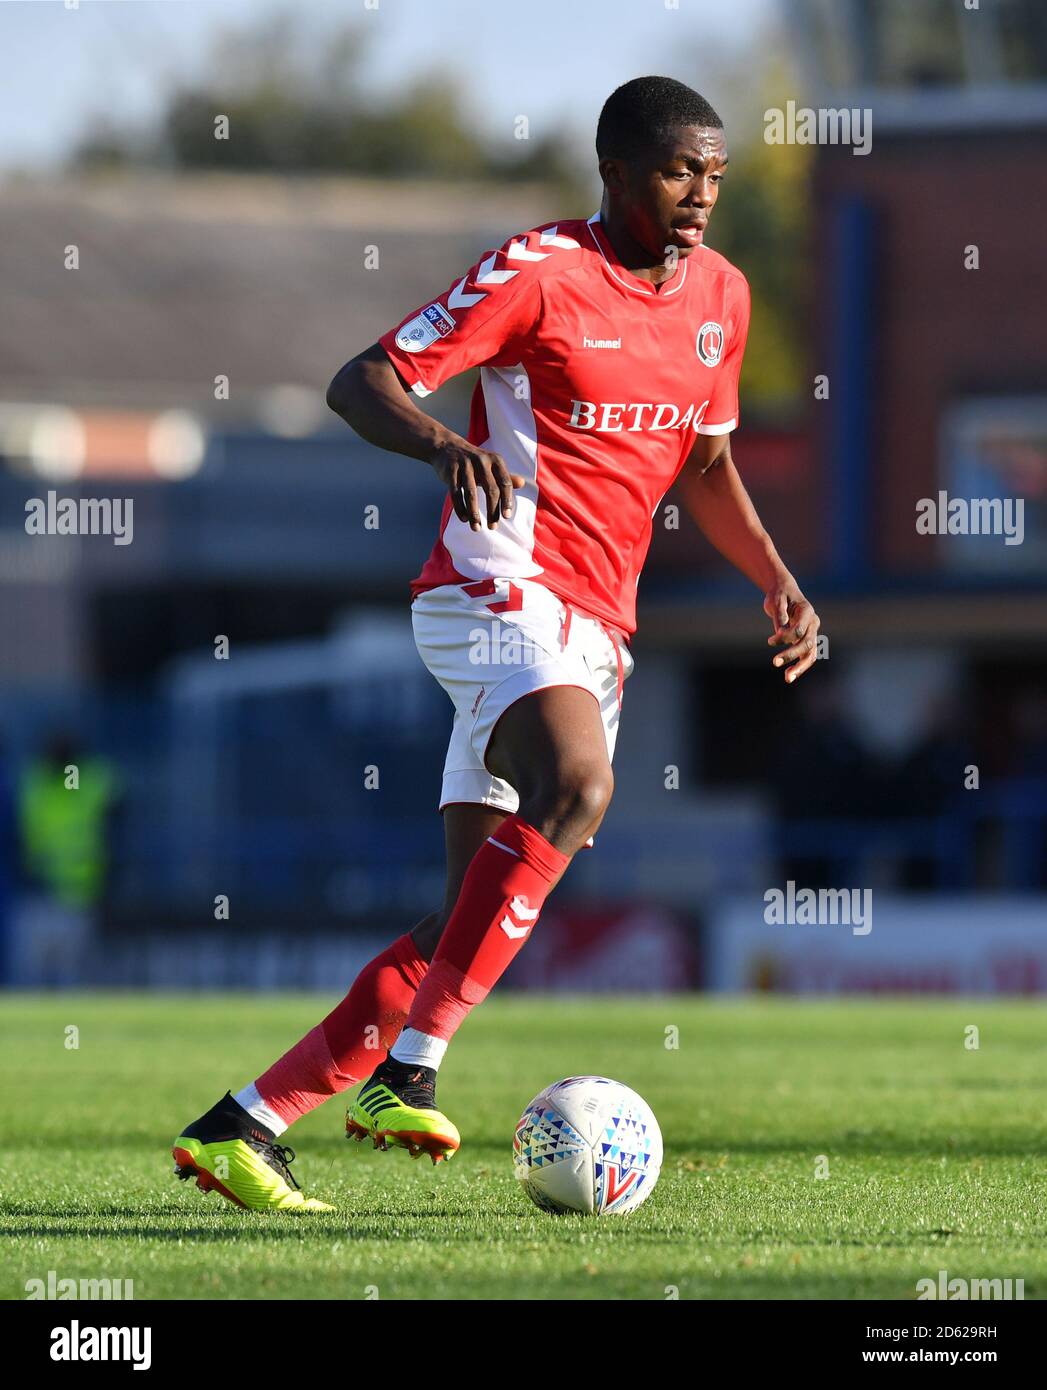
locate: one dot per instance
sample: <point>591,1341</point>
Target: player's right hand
<point>478,482</point>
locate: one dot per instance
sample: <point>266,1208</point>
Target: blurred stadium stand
<point>245,777</point>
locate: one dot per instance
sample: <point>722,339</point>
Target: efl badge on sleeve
<point>425,328</point>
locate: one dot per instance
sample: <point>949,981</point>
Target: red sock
<point>502,893</point>
<point>352,1040</point>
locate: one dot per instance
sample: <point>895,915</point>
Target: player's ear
<point>612,171</point>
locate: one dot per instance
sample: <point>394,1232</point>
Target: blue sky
<point>554,60</point>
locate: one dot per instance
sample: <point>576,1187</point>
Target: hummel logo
<point>519,908</point>
<point>588,342</point>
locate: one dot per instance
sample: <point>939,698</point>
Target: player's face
<point>669,197</point>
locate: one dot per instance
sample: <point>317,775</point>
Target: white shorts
<point>486,660</point>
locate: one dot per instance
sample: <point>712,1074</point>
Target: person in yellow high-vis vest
<point>65,801</point>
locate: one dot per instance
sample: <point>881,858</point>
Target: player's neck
<point>634,257</point>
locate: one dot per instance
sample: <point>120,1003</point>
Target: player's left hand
<point>796,626</point>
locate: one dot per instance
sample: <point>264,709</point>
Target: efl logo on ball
<point>710,343</point>
<point>427,327</point>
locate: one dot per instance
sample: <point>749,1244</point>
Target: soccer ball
<point>587,1144</point>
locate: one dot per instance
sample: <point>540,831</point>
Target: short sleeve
<point>721,415</point>
<point>482,319</point>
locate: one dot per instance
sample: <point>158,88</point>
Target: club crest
<point>709,345</point>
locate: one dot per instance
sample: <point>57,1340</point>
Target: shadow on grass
<point>375,1227</point>
<point>856,1143</point>
<point>493,1153</point>
<point>275,1226</point>
<point>200,1233</point>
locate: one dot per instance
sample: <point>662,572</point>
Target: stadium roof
<point>950,110</point>
<point>261,279</point>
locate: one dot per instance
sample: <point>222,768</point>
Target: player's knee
<point>571,805</point>
<point>595,792</point>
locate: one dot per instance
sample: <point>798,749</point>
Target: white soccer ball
<point>587,1144</point>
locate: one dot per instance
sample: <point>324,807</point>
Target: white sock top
<point>256,1106</point>
<point>417,1049</point>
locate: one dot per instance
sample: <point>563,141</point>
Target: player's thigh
<point>551,742</point>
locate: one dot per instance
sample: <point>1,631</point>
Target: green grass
<point>936,1153</point>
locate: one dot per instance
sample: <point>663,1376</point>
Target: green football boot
<point>228,1151</point>
<point>398,1106</point>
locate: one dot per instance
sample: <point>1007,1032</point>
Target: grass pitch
<point>935,1153</point>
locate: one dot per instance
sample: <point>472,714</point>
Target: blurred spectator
<point>927,783</point>
<point>64,808</point>
<point>822,774</point>
<point>1030,726</point>
<point>1029,792</point>
<point>8,860</point>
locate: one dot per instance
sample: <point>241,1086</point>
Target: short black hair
<point>641,115</point>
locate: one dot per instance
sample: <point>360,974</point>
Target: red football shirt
<point>592,385</point>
